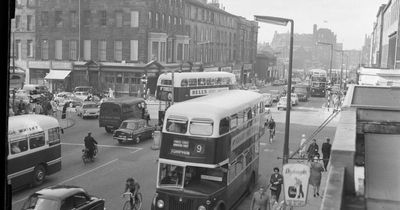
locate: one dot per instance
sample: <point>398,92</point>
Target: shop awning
<point>57,74</point>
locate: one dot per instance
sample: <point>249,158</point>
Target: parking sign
<point>295,183</point>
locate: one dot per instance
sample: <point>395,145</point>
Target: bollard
<point>157,140</point>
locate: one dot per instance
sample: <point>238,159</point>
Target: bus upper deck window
<point>202,128</point>
<point>192,82</point>
<point>224,126</point>
<point>176,126</point>
<point>201,82</point>
<point>219,81</point>
<point>184,83</point>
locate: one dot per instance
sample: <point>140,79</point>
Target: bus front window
<point>171,175</point>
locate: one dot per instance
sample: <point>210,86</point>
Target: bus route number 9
<point>199,148</point>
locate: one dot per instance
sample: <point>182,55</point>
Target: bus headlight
<point>201,208</point>
<point>160,204</point>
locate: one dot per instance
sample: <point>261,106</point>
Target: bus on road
<point>318,81</point>
<point>34,149</point>
<point>188,85</point>
<point>209,155</point>
<point>114,111</point>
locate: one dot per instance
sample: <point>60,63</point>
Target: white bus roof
<point>215,106</point>
<point>31,123</point>
<point>189,75</point>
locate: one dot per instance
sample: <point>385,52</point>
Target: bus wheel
<point>38,175</point>
<point>137,140</point>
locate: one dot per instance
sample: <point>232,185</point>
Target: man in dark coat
<point>313,150</point>
<point>90,144</point>
<point>326,152</point>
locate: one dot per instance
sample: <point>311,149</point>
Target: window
<point>73,49</point>
<point>86,17</point>
<point>44,18</point>
<point>45,49</point>
<point>233,121</point>
<point>58,50</point>
<point>157,23</point>
<point>102,50</point>
<point>224,126</point>
<point>201,127</point>
<point>119,18</point>
<point>58,19</point>
<point>201,82</point>
<point>118,50</point>
<point>103,18</point>
<point>73,18</point>
<point>134,50</point>
<point>19,145</point>
<point>36,141</point>
<point>29,48</point>
<point>87,50</point>
<point>180,52</point>
<point>150,19</point>
<point>54,136</point>
<point>17,21</point>
<point>134,19</point>
<point>30,3</point>
<point>192,82</point>
<point>29,22</point>
<point>154,50</point>
<point>177,125</point>
<point>184,83</point>
<point>17,52</point>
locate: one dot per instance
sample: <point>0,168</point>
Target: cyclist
<point>133,187</point>
<point>271,127</point>
<point>90,145</point>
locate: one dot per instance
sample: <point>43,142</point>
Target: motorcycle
<point>85,155</point>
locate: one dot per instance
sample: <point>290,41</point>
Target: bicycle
<point>85,157</point>
<point>271,135</point>
<point>137,203</point>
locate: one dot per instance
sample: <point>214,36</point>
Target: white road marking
<point>263,144</point>
<point>100,145</point>
<point>74,177</point>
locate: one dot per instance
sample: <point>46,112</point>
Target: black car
<point>63,197</point>
<point>134,130</point>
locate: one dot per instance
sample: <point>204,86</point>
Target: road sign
<point>295,183</point>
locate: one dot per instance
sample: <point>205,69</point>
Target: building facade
<point>130,34</point>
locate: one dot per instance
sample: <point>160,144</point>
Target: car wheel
<point>137,140</point>
<point>39,174</point>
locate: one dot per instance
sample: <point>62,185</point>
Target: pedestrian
<point>64,110</point>
<point>271,127</point>
<point>21,107</point>
<point>326,153</point>
<point>316,170</point>
<point>276,182</point>
<point>38,108</point>
<point>54,107</point>
<point>147,116</point>
<point>260,200</point>
<point>303,146</point>
<point>312,150</point>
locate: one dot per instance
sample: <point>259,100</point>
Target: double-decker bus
<point>318,80</point>
<point>209,155</point>
<point>188,85</point>
<point>34,149</point>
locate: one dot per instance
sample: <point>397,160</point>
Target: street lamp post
<point>284,22</point>
<point>330,62</point>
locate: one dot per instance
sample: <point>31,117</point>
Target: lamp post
<point>284,22</point>
<point>330,62</point>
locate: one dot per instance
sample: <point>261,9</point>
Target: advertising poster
<point>295,183</point>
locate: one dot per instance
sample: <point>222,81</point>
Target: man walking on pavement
<point>260,200</point>
<point>326,152</point>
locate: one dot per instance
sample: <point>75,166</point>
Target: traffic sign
<point>295,183</point>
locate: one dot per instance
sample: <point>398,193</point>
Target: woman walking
<point>316,170</point>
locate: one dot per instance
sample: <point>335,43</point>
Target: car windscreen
<point>90,106</point>
<point>129,125</point>
<point>35,202</point>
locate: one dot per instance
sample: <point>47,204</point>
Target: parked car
<point>294,99</point>
<point>275,95</point>
<point>63,97</point>
<point>134,130</point>
<point>38,90</point>
<point>282,103</point>
<point>88,89</point>
<point>276,83</point>
<point>88,109</point>
<point>81,95</point>
<point>267,99</point>
<point>62,197</point>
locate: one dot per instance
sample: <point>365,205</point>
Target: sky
<point>350,20</point>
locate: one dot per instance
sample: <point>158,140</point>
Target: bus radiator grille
<point>185,204</point>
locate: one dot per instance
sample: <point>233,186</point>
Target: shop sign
<point>295,183</point>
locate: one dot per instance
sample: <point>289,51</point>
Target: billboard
<point>295,183</point>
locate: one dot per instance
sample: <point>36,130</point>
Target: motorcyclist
<point>90,145</point>
<point>133,187</point>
